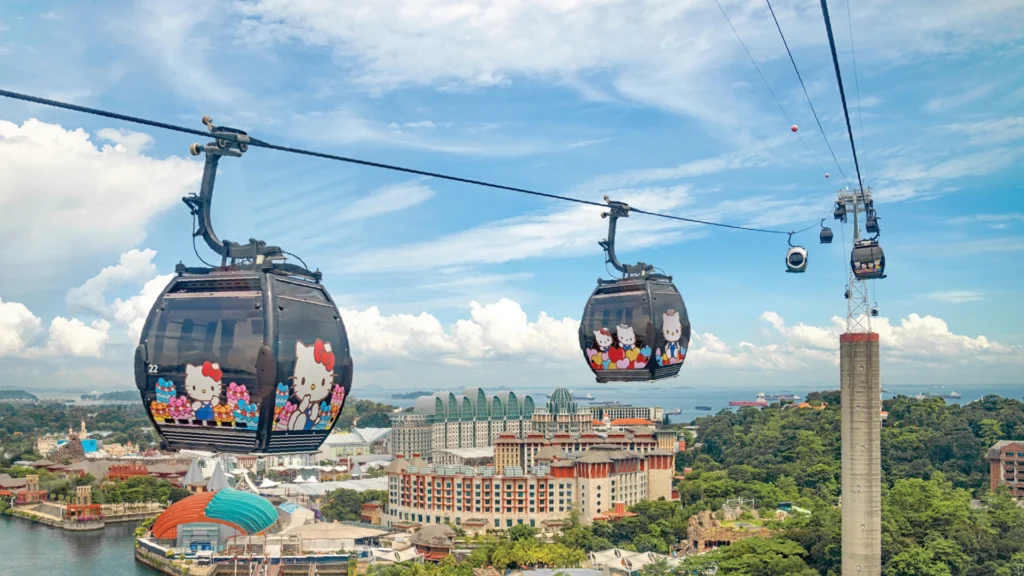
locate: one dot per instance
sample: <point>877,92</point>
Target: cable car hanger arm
<point>619,210</point>
<point>228,142</point>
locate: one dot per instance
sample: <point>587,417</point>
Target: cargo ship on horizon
<point>759,401</point>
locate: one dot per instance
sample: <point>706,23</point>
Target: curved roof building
<point>474,405</point>
<point>245,512</point>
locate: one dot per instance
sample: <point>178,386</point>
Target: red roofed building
<point>122,472</point>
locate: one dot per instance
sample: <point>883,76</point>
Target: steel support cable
<point>842,94</point>
<point>768,86</point>
<point>856,76</point>
<point>808,96</point>
<point>262,144</point>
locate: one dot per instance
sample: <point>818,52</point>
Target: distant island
<point>17,396</point>
<point>118,396</point>
<point>410,395</point>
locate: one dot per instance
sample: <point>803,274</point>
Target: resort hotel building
<point>469,420</point>
<point>599,482</point>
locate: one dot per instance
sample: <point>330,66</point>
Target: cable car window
<point>193,330</point>
<point>312,365</point>
<point>300,291</point>
<point>618,331</point>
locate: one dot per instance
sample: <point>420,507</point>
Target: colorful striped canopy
<point>245,512</point>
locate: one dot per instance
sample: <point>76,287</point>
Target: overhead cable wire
<point>808,96</point>
<point>767,85</point>
<point>262,144</point>
<point>856,77</point>
<point>842,94</point>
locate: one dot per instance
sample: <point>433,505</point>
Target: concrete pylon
<point>861,454</point>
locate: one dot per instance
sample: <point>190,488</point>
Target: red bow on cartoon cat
<point>212,370</point>
<point>322,354</point>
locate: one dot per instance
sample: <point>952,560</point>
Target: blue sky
<point>652,102</point>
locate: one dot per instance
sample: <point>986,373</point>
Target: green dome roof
<point>561,402</point>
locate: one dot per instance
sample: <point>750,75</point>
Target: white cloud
<point>64,197</point>
<point>132,312</point>
<point>501,330</point>
<point>957,296</point>
<point>948,102</point>
<point>572,231</point>
<point>916,339</point>
<point>662,53</point>
<point>1008,217</point>
<point>996,131</point>
<point>18,326</point>
<point>387,199</point>
<point>133,266</point>
<point>72,337</point>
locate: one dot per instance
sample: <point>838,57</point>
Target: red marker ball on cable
<point>794,128</point>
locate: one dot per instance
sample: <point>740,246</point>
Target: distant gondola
<point>825,236</point>
<point>635,328</point>
<point>247,357</point>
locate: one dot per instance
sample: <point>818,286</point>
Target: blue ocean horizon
<point>686,398</point>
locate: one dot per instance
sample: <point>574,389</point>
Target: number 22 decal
<point>153,368</point>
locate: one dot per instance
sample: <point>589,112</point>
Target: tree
<point>522,532</point>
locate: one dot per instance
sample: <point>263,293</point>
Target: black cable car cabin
<point>825,236</point>
<point>246,357</point>
<point>871,223</point>
<point>867,260</point>
<point>840,212</point>
<point>635,328</point>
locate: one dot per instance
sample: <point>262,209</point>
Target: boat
<point>675,412</point>
<point>781,397</point>
<point>705,408</point>
<point>759,401</point>
<point>953,395</point>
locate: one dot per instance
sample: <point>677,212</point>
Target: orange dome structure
<point>245,512</point>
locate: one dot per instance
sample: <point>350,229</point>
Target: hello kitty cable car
<point>247,357</point>
<point>634,328</point>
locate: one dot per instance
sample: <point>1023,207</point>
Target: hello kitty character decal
<point>623,356</point>
<point>637,358</point>
<point>672,330</point>
<point>312,381</point>
<point>203,386</point>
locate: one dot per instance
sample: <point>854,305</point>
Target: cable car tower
<point>861,396</point>
<point>858,310</point>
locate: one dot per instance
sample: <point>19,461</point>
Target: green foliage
<point>932,463</point>
<point>127,420</point>
<point>135,489</point>
<point>345,504</point>
<point>756,557</point>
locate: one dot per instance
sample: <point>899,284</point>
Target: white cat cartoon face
<point>314,370</point>
<point>202,383</point>
<point>626,335</point>
<point>604,337</point>
<point>672,329</point>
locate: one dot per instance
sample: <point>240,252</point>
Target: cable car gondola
<point>247,357</point>
<point>634,328</point>
<point>871,223</point>
<point>840,212</point>
<point>796,258</point>
<point>867,260</point>
<point>825,236</point>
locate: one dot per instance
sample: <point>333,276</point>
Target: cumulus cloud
<point>501,330</point>
<point>915,339</point>
<point>18,326</point>
<point>20,329</point>
<point>133,266</point>
<point>72,337</point>
<point>64,195</point>
<point>132,312</point>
